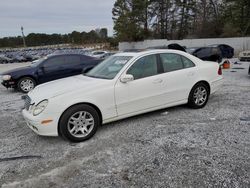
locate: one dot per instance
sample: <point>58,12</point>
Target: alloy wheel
<point>200,95</point>
<point>26,85</point>
<point>80,124</point>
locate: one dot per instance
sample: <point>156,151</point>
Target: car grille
<point>246,54</point>
<point>27,102</point>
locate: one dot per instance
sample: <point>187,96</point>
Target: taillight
<point>219,71</point>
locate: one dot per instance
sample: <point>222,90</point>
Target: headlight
<point>40,107</point>
<point>6,77</point>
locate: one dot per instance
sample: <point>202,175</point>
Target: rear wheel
<point>198,96</point>
<point>79,123</point>
<point>26,84</point>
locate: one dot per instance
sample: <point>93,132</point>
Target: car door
<point>178,77</point>
<point>144,91</point>
<point>52,69</point>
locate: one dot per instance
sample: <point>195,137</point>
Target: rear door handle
<point>157,81</point>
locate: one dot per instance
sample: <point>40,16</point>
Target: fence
<point>239,43</point>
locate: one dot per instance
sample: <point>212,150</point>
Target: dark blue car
<point>214,52</point>
<point>47,69</point>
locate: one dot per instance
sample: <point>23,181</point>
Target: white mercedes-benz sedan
<point>124,85</point>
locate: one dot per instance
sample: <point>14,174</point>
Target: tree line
<point>38,39</point>
<point>136,20</point>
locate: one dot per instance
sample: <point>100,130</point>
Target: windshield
<point>109,68</point>
<point>37,62</point>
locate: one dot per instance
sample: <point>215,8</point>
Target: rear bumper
<point>215,85</point>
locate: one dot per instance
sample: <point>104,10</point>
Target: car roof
<point>194,47</point>
<point>217,45</point>
<point>151,51</point>
<point>66,54</point>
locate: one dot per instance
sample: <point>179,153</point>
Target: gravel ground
<point>175,147</point>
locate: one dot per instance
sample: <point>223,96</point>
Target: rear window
<point>187,63</point>
<point>203,52</point>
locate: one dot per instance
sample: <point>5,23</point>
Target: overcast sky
<point>54,16</point>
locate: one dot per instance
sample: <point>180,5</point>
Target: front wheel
<point>79,123</point>
<point>198,96</point>
<point>26,84</point>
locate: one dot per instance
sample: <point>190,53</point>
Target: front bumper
<point>9,84</point>
<point>244,58</point>
<point>35,123</point>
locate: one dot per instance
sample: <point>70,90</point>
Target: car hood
<point>17,70</point>
<point>65,85</point>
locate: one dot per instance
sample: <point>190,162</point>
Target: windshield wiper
<point>95,76</point>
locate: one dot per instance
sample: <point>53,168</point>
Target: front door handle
<point>157,81</point>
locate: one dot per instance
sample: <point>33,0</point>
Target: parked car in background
<point>244,55</point>
<point>124,85</point>
<point>133,50</point>
<point>226,50</point>
<point>208,54</point>
<point>191,49</point>
<point>99,54</point>
<point>173,46</point>
<point>214,52</point>
<point>47,69</point>
<point>108,54</point>
<point>4,59</point>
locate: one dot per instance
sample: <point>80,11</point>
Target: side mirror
<point>127,78</point>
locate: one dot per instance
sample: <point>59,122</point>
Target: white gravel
<point>174,147</point>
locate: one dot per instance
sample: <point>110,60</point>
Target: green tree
<point>130,20</point>
<point>76,37</point>
<point>160,11</point>
<point>237,14</point>
<point>104,33</point>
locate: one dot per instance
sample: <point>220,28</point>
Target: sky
<point>54,16</point>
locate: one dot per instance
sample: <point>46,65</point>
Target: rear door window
<point>171,62</point>
<point>54,62</point>
<point>86,59</point>
<point>72,60</point>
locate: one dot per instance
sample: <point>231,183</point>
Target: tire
<point>198,96</point>
<point>79,123</point>
<point>26,84</point>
